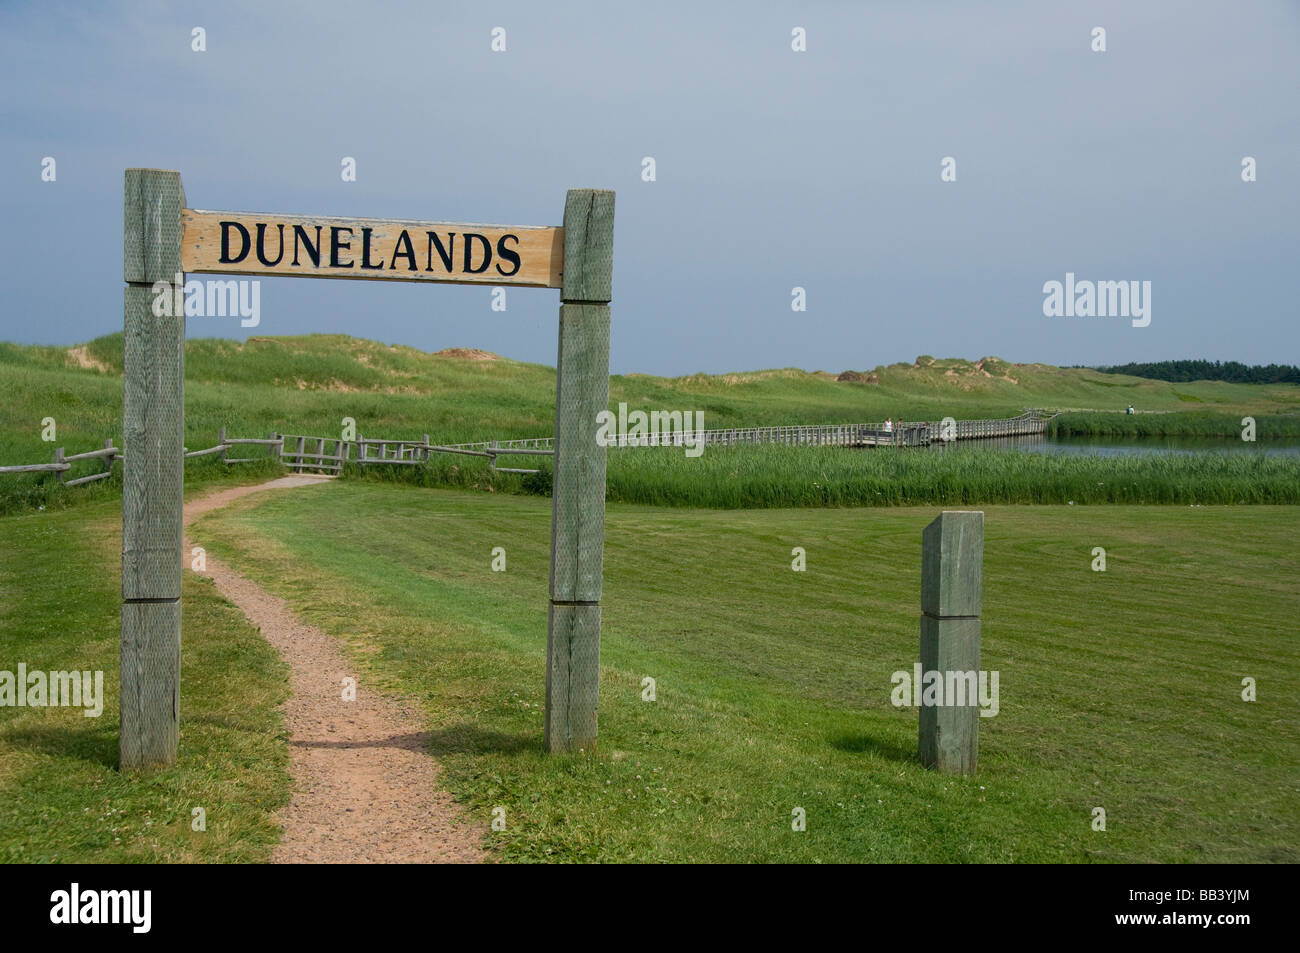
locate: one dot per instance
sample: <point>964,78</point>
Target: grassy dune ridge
<point>310,384</point>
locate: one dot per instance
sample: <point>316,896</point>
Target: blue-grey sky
<point>774,168</point>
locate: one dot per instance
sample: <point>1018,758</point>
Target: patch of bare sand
<point>365,787</point>
<point>81,357</point>
<point>467,354</point>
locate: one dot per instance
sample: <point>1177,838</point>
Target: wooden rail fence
<point>298,452</point>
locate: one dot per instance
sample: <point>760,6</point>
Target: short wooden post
<point>578,495</point>
<point>952,556</point>
<point>153,472</point>
<point>221,442</point>
<point>302,441</point>
<point>58,459</point>
<point>273,449</point>
<point>108,457</point>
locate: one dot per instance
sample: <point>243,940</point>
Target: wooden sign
<point>249,243</point>
<point>161,238</point>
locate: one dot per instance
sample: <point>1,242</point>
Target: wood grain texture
<point>572,677</point>
<point>151,225</point>
<point>153,471</point>
<point>153,462</point>
<point>378,249</point>
<point>578,494</point>
<point>952,559</point>
<point>588,246</point>
<point>949,734</point>
<point>952,564</point>
<point>150,693</point>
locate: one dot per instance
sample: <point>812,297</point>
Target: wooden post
<point>108,457</point>
<point>578,496</point>
<point>153,474</point>
<point>952,556</point>
<point>58,458</point>
<point>221,441</point>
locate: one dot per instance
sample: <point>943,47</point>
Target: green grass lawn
<point>62,798</point>
<point>1118,690</point>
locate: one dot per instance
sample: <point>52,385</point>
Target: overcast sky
<point>775,169</point>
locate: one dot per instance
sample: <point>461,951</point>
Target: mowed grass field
<point>62,798</point>
<point>1119,690</point>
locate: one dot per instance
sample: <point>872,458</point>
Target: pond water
<point>1125,446</point>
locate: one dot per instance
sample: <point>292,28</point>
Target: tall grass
<point>1203,424</point>
<point>777,476</point>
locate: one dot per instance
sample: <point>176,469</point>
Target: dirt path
<point>365,788</point>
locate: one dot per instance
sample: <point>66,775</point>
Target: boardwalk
<point>903,434</point>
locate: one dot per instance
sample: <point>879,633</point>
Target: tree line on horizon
<point>1181,372</point>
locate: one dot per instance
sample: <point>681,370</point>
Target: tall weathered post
<point>152,470</point>
<point>578,495</point>
<point>952,558</point>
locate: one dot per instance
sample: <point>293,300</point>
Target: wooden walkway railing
<point>300,452</point>
<point>902,434</point>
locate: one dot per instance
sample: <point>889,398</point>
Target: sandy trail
<point>365,787</point>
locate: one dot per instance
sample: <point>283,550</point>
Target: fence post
<point>952,557</point>
<point>272,449</point>
<point>221,441</point>
<point>108,457</point>
<point>578,495</point>
<point>58,458</point>
<point>153,472</point>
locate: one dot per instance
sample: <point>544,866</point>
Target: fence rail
<point>62,464</point>
<point>293,451</point>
